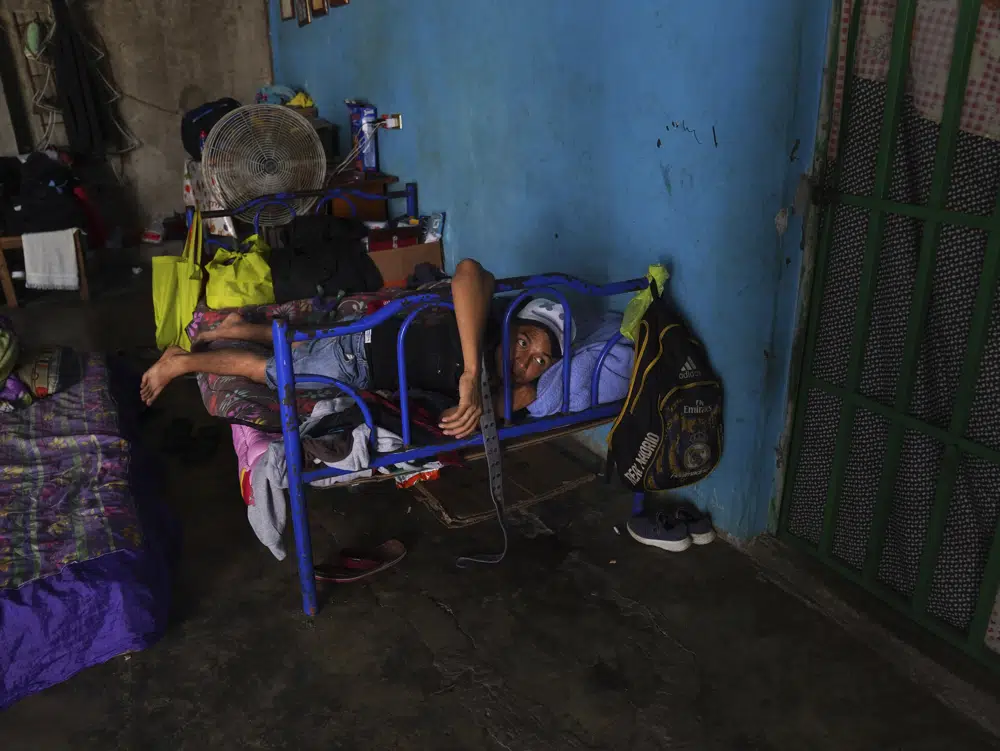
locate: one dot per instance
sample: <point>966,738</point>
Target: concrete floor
<point>580,639</point>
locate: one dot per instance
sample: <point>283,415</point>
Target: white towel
<point>50,260</point>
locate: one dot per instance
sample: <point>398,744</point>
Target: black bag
<point>197,123</point>
<point>46,202</point>
<point>669,432</point>
<point>322,256</point>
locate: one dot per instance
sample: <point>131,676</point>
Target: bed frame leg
<point>293,463</point>
<point>638,504</point>
<point>303,540</point>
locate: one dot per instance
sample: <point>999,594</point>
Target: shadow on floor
<point>581,639</point>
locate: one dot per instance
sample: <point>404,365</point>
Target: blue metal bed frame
<point>325,196</point>
<point>411,305</point>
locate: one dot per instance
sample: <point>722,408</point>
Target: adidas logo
<point>689,370</point>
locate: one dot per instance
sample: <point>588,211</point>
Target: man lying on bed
<point>443,352</point>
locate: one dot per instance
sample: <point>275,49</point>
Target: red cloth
<point>97,233</point>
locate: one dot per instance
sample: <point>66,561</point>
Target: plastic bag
<point>237,279</point>
<point>636,307</point>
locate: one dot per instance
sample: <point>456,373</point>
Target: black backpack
<point>669,432</point>
<point>322,256</point>
<point>198,122</point>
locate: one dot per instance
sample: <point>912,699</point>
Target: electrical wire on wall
<point>369,133</point>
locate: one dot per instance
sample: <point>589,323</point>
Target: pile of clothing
<point>39,195</point>
<point>13,393</point>
<point>334,435</point>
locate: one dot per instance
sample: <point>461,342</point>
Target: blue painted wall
<point>596,137</point>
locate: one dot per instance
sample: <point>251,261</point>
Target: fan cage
<point>263,149</point>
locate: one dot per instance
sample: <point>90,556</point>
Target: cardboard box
<point>397,264</point>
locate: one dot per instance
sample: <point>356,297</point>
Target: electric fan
<point>261,149</point>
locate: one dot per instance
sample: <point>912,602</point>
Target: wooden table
<point>13,242</point>
<point>367,210</point>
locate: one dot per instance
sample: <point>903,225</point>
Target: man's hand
<point>463,420</point>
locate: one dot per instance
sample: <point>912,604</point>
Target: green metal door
<point>893,474</point>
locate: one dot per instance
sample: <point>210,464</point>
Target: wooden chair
<point>14,243</point>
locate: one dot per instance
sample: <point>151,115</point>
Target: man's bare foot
<point>228,329</point>
<point>163,372</point>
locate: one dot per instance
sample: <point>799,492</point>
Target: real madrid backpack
<point>669,432</point>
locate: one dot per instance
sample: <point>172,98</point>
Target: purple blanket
<point>84,572</point>
<point>63,482</point>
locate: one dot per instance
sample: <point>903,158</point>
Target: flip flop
<point>355,565</point>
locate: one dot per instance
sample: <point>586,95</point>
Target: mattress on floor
<point>84,545</point>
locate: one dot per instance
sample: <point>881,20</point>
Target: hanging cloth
<point>79,97</point>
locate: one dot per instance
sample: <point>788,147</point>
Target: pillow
<point>615,374</point>
<point>50,371</point>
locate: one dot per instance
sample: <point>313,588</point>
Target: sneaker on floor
<point>657,530</point>
<point>697,523</point>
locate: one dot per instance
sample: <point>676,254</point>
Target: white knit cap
<point>549,314</point>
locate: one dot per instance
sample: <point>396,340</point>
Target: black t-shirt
<point>433,351</point>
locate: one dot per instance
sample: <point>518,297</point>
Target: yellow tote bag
<point>236,279</point>
<point>176,289</point>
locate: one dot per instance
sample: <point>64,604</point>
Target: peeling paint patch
<point>781,222</point>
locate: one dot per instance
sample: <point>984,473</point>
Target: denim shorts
<point>340,357</point>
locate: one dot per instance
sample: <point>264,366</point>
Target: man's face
<point>530,353</point>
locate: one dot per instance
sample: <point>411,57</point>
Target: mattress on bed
<point>243,402</point>
<point>84,572</point>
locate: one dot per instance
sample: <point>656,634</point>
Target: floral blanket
<point>64,491</point>
<point>243,402</point>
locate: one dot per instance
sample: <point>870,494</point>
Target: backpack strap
<point>653,289</point>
